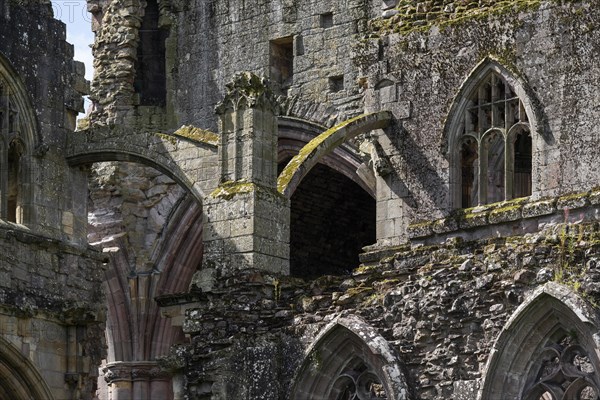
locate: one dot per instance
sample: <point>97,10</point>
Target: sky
<point>79,29</point>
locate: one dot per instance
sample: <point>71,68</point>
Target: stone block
<point>539,208</point>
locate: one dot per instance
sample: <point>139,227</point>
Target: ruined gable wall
<point>210,41</point>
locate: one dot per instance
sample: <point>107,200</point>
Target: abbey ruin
<point>302,200</point>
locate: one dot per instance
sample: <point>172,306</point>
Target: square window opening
<point>336,83</point>
<point>326,20</point>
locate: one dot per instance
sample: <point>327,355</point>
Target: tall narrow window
<point>282,62</point>
<point>494,145</point>
<point>13,202</point>
<point>11,167</point>
<point>150,81</point>
<point>522,165</point>
<point>18,135</point>
<point>469,164</point>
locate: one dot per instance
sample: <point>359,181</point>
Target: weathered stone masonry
<point>51,304</point>
<point>427,106</point>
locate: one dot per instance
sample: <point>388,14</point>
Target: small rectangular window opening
<point>326,20</point>
<point>282,62</point>
<point>336,83</point>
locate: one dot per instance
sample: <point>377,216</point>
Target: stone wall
<point>440,284</point>
<point>52,309</point>
<point>440,307</point>
<point>423,71</point>
<point>201,56</point>
<point>441,297</point>
<point>54,84</point>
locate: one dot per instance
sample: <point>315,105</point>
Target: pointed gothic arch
<point>490,135</point>
<point>547,350</point>
<point>19,139</point>
<point>19,378</point>
<point>349,358</point>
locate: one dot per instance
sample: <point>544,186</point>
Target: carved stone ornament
<point>565,373</point>
<point>247,90</point>
<point>358,384</point>
<point>130,371</point>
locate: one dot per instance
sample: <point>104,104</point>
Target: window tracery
<point>495,147</point>
<point>358,383</point>
<point>565,373</point>
<point>10,158</point>
<point>546,351</point>
<point>346,364</point>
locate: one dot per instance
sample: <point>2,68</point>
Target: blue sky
<point>79,29</point>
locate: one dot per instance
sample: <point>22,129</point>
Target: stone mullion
<point>4,179</point>
<point>4,133</point>
<point>483,169</point>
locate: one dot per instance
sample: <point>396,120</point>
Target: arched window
<point>490,141</point>
<point>349,360</point>
<point>19,136</point>
<point>546,351</point>
<point>10,174</point>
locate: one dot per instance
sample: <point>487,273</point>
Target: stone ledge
<point>502,212</point>
<point>20,233</point>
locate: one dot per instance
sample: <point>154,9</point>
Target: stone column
<point>247,219</point>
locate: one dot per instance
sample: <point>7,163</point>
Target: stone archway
<point>295,133</point>
<point>324,144</point>
<point>319,206</point>
<point>547,350</point>
<point>19,379</point>
<point>350,358</point>
<point>137,333</point>
<point>188,158</point>
<point>142,269</point>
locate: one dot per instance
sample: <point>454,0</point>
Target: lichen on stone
<point>197,134</point>
<point>228,190</point>
<point>410,16</point>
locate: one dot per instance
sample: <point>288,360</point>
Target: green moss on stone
<point>228,190</point>
<point>292,167</point>
<point>169,138</point>
<point>197,134</point>
<point>573,201</point>
<point>83,123</point>
<point>408,20</point>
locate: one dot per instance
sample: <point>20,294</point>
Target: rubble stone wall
<point>440,307</point>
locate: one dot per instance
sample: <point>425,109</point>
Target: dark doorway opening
<point>332,219</point>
